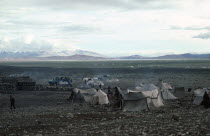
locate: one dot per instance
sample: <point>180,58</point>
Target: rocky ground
<point>56,116</point>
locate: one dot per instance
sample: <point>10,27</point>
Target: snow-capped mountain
<point>72,52</point>
<point>14,55</point>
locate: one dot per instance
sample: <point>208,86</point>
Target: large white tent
<point>100,98</point>
<point>147,97</point>
<point>165,91</point>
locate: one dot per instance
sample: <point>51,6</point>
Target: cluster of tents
<point>143,97</point>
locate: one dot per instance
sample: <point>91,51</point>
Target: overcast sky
<point>109,27</point>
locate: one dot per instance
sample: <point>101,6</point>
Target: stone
<point>70,115</point>
<point>175,117</point>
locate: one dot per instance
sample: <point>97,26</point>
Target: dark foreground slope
<point>56,116</point>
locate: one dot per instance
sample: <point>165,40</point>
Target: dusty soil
<point>48,113</point>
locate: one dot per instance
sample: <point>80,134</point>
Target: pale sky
<point>108,27</point>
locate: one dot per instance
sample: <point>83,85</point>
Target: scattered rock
<point>175,117</point>
<point>70,115</point>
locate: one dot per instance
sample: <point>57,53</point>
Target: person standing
<point>109,93</point>
<point>12,102</point>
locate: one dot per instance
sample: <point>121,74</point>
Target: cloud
<point>190,28</point>
<point>25,44</point>
<point>101,24</point>
<point>200,36</point>
<point>90,4</point>
<point>77,28</point>
<point>203,36</point>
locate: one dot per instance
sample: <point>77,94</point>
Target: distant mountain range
<point>87,55</point>
<point>185,56</point>
<point>172,56</point>
<point>73,57</point>
<point>131,57</point>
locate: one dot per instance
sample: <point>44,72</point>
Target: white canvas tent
<point>100,98</point>
<point>147,97</point>
<point>199,93</point>
<point>165,91</point>
<point>86,94</point>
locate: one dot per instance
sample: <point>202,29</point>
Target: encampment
<point>100,98</point>
<point>164,89</point>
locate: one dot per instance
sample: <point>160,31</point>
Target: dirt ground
<point>48,113</point>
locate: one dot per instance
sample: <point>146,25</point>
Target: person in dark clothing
<point>109,93</point>
<point>117,94</point>
<point>118,97</point>
<point>12,102</point>
<point>206,101</point>
<point>71,97</point>
<point>109,88</point>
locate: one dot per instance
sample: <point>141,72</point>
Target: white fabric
<point>167,95</point>
<point>164,90</point>
<point>100,98</point>
<point>199,92</point>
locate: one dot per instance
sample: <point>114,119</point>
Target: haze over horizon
<point>111,27</point>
